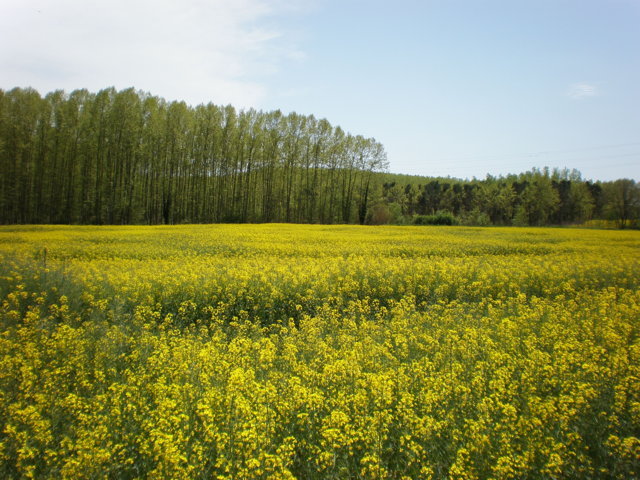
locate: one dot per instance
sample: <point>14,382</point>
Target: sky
<point>460,88</point>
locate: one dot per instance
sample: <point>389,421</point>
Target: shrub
<point>476,218</point>
<point>440,218</point>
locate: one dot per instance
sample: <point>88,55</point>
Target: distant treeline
<point>127,157</point>
<point>120,157</point>
<point>537,197</point>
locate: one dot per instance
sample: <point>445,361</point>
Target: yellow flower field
<point>328,352</point>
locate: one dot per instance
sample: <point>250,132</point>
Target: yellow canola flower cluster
<point>281,351</point>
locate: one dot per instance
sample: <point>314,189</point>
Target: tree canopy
<point>128,157</point>
<point>122,157</point>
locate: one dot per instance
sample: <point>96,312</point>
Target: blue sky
<point>451,88</point>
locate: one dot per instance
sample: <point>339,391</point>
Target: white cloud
<point>193,50</point>
<point>582,90</point>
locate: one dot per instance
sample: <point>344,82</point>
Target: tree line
<point>536,197</point>
<point>121,157</point>
<point>128,157</point>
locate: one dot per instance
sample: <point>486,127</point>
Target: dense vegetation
<point>126,157</point>
<point>537,197</point>
<point>316,352</point>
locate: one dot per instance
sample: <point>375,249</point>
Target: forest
<point>128,157</point>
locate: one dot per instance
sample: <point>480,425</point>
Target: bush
<point>475,218</point>
<point>440,218</point>
<point>384,214</point>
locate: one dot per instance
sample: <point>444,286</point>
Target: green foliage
<point>123,157</point>
<point>538,197</point>
<point>379,214</point>
<point>441,218</point>
<point>127,157</point>
<point>476,217</point>
<point>623,202</point>
<point>521,219</point>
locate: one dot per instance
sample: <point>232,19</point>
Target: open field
<point>289,351</point>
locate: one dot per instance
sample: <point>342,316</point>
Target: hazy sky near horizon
<point>460,88</point>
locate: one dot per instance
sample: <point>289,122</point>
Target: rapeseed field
<point>319,352</point>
